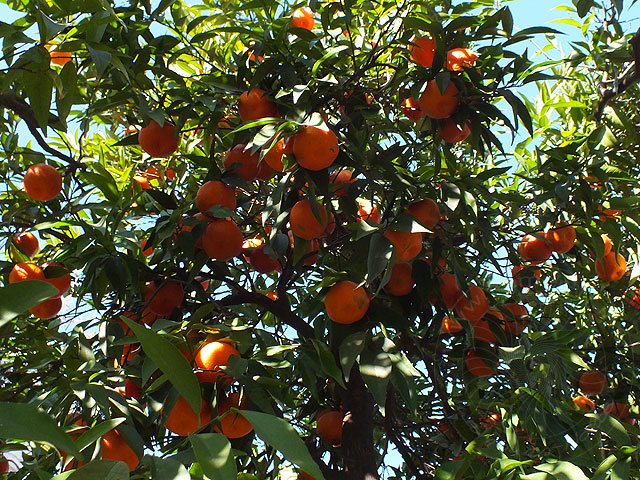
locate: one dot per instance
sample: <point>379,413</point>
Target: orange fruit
<point>612,268</point>
<point>608,213</point>
<point>584,403</point>
<point>426,212</point>
<point>482,332</point>
<point>232,425</point>
<point>304,223</point>
<point>254,105</point>
<point>4,465</point>
<point>47,309</point>
<point>57,57</point>
<point>305,476</point>
<point>222,240</point>
<point>411,109</point>
<point>518,321</point>
<point>183,420</point>
<point>131,389</point>
<point>159,141</point>
<point>408,245</point>
<point>143,182</point>
<point>436,104</point>
<point>263,263</point>
<point>422,50</point>
<point>215,192</point>
<point>450,325</point>
<point>460,58</point>
<point>329,426</point>
<point>440,267</point>
<point>618,410</point>
<point>58,276</point>
<point>592,382</point>
<point>476,365</point>
<point>42,182</point>
<point>491,420</point>
<point>273,157</point>
<point>240,161</point>
<point>146,247</point>
<point>27,242</point>
<point>449,290</point>
<point>340,179</point>
<point>562,237</point>
<point>401,282</point>
<point>525,278</point>
<point>475,309</point>
<point>608,245</point>
<point>211,356</point>
<point>115,447</point>
<point>534,249</point>
<point>302,18</point>
<point>346,302</point>
<point>315,148</point>
<point>635,300</point>
<point>451,132</point>
<point>26,271</point>
<point>165,299</point>
<point>367,211</point>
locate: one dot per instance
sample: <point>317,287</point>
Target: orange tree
<point>307,223</point>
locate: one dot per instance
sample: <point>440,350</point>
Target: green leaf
<point>214,455</point>
<point>24,421</point>
<point>376,373</point>
<point>47,27</point>
<point>18,298</point>
<point>39,88</point>
<point>350,348</point>
<point>102,469</point>
<point>170,361</point>
<point>611,426</point>
<point>563,471</point>
<point>101,58</point>
<point>282,436</point>
<point>90,436</point>
<point>328,362</point>
<point>167,468</point>
<point>380,253</point>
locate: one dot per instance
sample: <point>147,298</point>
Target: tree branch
<point>624,81</point>
<point>21,108</point>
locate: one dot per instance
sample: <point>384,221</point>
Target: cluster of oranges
<point>439,102</point>
<point>592,383</point>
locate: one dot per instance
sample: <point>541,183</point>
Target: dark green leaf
<point>214,455</point>
<point>102,469</point>
<point>18,298</point>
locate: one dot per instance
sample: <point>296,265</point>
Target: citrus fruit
<point>42,182</point>
<point>315,148</point>
<point>346,302</point>
<point>436,104</point>
<point>159,141</point>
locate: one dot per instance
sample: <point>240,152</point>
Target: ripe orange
<point>27,242</point>
<point>57,57</point>
<point>254,105</point>
<point>222,240</point>
<point>423,50</point>
<point>426,212</point>
<point>131,389</point>
<point>340,179</point>
<point>159,141</point>
<point>233,425</point>
<point>183,420</point>
<point>592,382</point>
<point>518,321</point>
<point>534,249</point>
<point>146,247</point>
<point>4,465</point>
<point>618,410</point>
<point>401,282</point>
<point>562,237</point>
<point>42,182</point>
<point>411,109</point>
<point>436,104</point>
<point>58,276</point>
<point>482,332</point>
<point>315,148</point>
<point>367,211</point>
<point>449,290</point>
<point>613,268</point>
<point>475,309</point>
<point>450,325</point>
<point>211,356</point>
<point>302,18</point>
<point>47,309</point>
<point>273,157</point>
<point>346,302</point>
<point>26,271</point>
<point>584,403</point>
<point>242,162</point>
<point>165,299</point>
<point>526,278</point>
<point>213,193</point>
<point>476,365</point>
<point>608,245</point>
<point>142,181</point>
<point>304,223</point>
<point>408,245</point>
<point>451,132</point>
<point>329,426</point>
<point>635,300</point>
<point>115,447</point>
<point>460,58</point>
